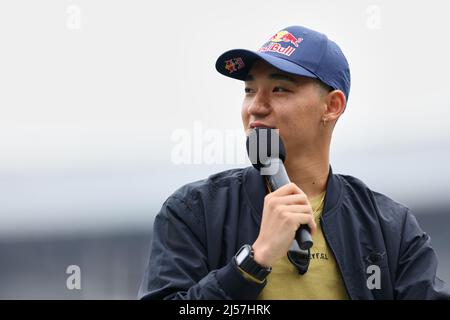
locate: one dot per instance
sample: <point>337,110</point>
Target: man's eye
<point>248,90</point>
<point>279,89</point>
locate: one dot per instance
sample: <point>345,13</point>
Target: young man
<point>227,237</point>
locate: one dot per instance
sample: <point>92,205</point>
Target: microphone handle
<point>277,180</point>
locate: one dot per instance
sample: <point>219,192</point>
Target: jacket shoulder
<point>194,196</point>
<point>206,187</point>
<point>387,207</point>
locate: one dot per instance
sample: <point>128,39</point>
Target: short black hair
<point>325,87</point>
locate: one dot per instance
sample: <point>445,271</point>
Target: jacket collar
<point>254,189</point>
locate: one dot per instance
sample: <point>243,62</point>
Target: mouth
<point>257,124</point>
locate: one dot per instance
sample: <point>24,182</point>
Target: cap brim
<point>249,57</point>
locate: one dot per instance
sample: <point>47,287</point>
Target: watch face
<point>245,251</point>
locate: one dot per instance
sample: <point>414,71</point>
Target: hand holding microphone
<point>285,210</point>
<point>287,213</point>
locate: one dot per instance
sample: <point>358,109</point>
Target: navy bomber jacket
<point>203,224</point>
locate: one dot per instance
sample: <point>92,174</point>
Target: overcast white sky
<point>92,91</point>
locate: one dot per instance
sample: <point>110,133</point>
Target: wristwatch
<point>244,260</point>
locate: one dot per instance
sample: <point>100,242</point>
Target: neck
<point>309,172</point>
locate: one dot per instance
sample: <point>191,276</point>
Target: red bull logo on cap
<point>235,64</point>
<point>273,45</point>
<point>286,36</point>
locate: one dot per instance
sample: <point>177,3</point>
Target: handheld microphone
<point>266,151</point>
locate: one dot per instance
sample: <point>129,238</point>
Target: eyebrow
<point>275,76</point>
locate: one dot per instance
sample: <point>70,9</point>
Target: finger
<point>292,199</point>
<point>290,188</point>
<point>303,208</point>
<point>299,219</point>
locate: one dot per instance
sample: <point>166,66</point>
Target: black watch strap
<point>244,260</point>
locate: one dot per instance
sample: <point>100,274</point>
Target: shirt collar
<point>255,191</point>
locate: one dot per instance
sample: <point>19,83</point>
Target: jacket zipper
<point>322,224</point>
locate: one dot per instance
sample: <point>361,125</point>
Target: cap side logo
<point>235,64</point>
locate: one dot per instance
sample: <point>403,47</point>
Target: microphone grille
<point>262,144</point>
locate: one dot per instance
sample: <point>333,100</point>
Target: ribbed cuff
<point>233,282</point>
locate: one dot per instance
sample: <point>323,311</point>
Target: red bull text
<point>273,44</point>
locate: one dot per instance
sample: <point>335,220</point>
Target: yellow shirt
<point>323,279</point>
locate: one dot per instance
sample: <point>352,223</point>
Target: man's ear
<point>335,105</point>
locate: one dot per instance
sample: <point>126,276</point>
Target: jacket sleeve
<point>416,274</point>
<point>178,265</point>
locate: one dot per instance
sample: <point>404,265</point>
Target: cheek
<point>290,116</point>
<point>297,121</point>
<point>244,113</point>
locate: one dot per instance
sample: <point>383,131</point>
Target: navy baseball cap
<point>296,50</point>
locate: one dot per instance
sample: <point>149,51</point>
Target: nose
<point>259,106</point>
